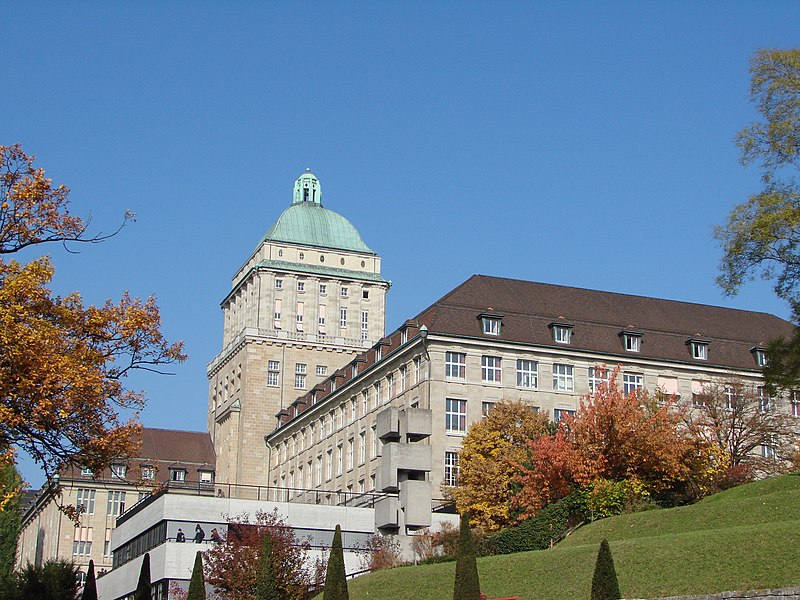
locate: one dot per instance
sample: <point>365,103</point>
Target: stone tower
<point>308,299</point>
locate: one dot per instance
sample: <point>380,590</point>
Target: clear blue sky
<point>580,143</point>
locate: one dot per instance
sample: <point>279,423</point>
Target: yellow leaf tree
<point>63,364</point>
<point>489,461</point>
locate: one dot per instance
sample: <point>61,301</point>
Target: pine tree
<point>143,587</point>
<point>90,588</point>
<point>335,576</point>
<point>604,582</point>
<point>467,586</point>
<point>266,585</point>
<point>10,498</point>
<point>197,586</point>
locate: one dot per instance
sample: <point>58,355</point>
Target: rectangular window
<point>277,313</point>
<point>299,382</point>
<point>699,351</point>
<point>339,460</point>
<point>455,416</point>
<point>390,385</point>
<point>321,318</point>
<point>329,465</point>
<point>322,370</point>
<point>107,544</point>
<point>86,500</point>
<point>490,369</point>
<point>490,326</point>
<point>765,403</point>
<point>279,284</point>
<point>563,378</point>
<point>364,320</point>
<point>343,317</point>
<point>309,475</point>
<point>323,289</point>
<point>794,398</point>
<point>633,343</point>
<point>273,373</point>
<point>329,421</point>
<point>761,357</point>
<point>350,453</point>
<point>632,383</point>
<point>451,469</point>
<point>375,441</point>
<point>116,503</point>
<point>148,473</point>
<point>299,315</point>
<point>559,413</point>
<point>82,541</point>
<point>178,475</point>
<point>87,472</point>
<point>455,365</point>
<point>301,285</point>
<point>344,292</point>
<point>417,370</point>
<point>562,334</point>
<point>527,373</point>
<point>486,408</point>
<point>597,377</point>
<point>403,378</point>
<point>379,393</point>
<point>341,413</point>
<point>119,471</point>
<point>353,409</point>
<point>318,470</point>
<point>362,447</point>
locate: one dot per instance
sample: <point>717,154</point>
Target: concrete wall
<point>774,594</point>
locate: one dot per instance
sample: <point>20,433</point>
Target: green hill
<point>744,538</point>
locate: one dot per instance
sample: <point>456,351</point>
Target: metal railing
<point>261,493</point>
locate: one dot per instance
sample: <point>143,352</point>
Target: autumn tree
<point>741,421</point>
<point>231,567</point>
<point>489,461</point>
<point>612,437</point>
<point>762,235</point>
<point>63,364</point>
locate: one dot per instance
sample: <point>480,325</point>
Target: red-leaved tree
<point>612,437</point>
<point>231,567</point>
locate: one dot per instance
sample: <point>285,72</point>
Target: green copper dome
<point>307,222</point>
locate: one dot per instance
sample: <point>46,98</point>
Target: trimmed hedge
<point>539,532</point>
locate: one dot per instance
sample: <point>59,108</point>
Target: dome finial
<point>307,189</point>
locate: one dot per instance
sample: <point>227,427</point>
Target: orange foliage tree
<point>231,567</point>
<point>613,437</point>
<point>63,364</point>
<point>489,459</point>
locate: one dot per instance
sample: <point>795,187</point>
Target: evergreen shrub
<point>539,532</point>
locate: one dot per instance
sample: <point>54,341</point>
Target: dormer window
<point>490,323</point>
<point>632,341</point>
<point>177,474</point>
<point>148,473</point>
<point>119,471</point>
<point>699,349</point>
<point>760,355</point>
<point>562,333</point>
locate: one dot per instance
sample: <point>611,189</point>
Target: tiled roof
<point>528,308</point>
<point>597,320</point>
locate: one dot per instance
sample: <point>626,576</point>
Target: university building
<point>165,456</point>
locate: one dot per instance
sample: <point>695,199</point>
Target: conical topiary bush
<point>90,588</point>
<point>143,587</point>
<point>266,584</point>
<point>335,575</point>
<point>467,586</point>
<point>604,582</point>
<point>197,585</point>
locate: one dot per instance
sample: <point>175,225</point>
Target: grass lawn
<point>744,538</point>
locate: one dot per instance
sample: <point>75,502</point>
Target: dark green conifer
<point>197,585</point>
<point>266,584</point>
<point>604,582</point>
<point>10,486</point>
<point>335,575</point>
<point>143,587</point>
<point>90,587</point>
<point>467,586</point>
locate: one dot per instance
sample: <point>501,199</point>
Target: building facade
<point>179,457</point>
<point>309,299</point>
<point>394,417</point>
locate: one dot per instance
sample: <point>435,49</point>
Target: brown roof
<point>529,308</point>
<point>165,448</point>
